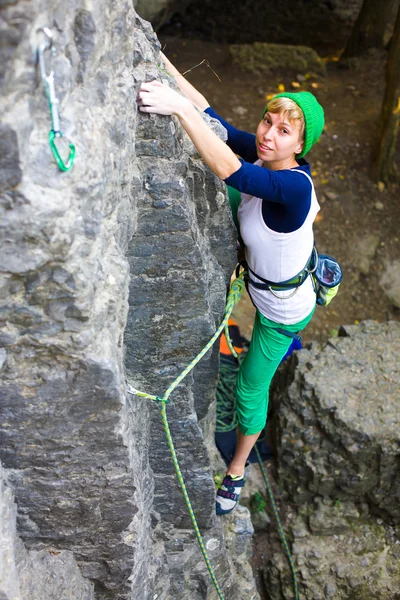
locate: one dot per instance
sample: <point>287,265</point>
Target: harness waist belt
<point>289,284</point>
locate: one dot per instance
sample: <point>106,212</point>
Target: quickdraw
<point>48,81</point>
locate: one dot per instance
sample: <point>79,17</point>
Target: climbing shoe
<point>228,494</point>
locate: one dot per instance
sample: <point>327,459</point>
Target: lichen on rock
<point>262,57</point>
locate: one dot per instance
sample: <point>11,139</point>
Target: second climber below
<point>275,210</point>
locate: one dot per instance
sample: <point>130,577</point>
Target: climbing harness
<point>325,272</point>
<point>290,284</point>
<point>48,81</point>
<point>234,294</point>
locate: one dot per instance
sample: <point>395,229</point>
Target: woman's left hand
<point>157,98</point>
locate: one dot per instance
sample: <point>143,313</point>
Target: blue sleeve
<point>284,186</point>
<point>240,142</point>
<point>286,194</point>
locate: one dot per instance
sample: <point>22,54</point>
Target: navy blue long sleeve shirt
<point>286,194</point>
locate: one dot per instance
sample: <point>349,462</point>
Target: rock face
<point>339,551</point>
<point>341,422</point>
<point>338,452</point>
<point>115,270</point>
<point>34,574</point>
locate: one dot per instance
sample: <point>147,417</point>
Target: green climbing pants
<point>267,348</point>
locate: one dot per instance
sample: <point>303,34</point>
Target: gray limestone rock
<point>84,36</point>
<point>112,272</point>
<point>360,562</point>
<point>364,251</point>
<point>390,282</point>
<point>34,575</point>
<point>10,170</point>
<point>343,404</point>
<point>337,414</point>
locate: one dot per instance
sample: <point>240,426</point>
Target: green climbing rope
<point>229,341</point>
<point>279,524</point>
<point>234,294</point>
<point>226,416</point>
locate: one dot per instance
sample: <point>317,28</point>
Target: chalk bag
<point>327,278</point>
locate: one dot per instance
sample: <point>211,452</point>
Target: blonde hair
<point>288,109</point>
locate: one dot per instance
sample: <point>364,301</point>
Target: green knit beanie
<point>313,116</point>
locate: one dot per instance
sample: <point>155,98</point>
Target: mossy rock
<point>268,58</point>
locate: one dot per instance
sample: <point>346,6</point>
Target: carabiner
<point>48,82</point>
<point>61,164</point>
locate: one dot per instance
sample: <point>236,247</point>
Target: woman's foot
<point>228,493</point>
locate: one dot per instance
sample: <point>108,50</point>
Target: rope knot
<point>163,400</point>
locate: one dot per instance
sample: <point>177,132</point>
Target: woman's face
<point>278,140</point>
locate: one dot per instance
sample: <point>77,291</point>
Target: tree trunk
<point>384,165</point>
<point>369,28</point>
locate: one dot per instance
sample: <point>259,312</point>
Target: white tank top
<point>278,257</point>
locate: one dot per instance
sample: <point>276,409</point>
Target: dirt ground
<point>359,221</point>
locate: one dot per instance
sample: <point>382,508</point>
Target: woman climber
<point>275,211</point>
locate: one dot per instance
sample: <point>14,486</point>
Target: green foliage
<point>258,503</point>
<point>218,478</point>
